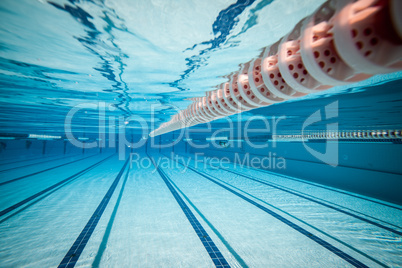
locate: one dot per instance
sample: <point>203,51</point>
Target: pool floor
<point>95,210</point>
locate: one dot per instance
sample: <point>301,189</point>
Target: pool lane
<point>296,227</point>
<point>369,221</point>
<point>22,162</point>
<point>41,235</point>
<point>260,236</point>
<point>18,159</point>
<point>354,196</point>
<point>371,244</point>
<point>25,165</point>
<point>149,228</point>
<point>317,201</point>
<point>370,208</point>
<point>12,193</point>
<point>77,248</point>
<point>47,190</point>
<point>375,241</point>
<point>213,251</point>
<point>38,169</point>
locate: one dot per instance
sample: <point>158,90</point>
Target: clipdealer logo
<point>331,154</point>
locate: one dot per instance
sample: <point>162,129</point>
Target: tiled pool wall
<point>24,148</point>
<point>369,168</point>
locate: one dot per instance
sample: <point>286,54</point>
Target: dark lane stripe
<point>76,175</point>
<point>206,240</point>
<point>75,251</point>
<point>319,202</point>
<point>218,234</point>
<point>105,239</point>
<point>309,235</point>
<point>36,163</point>
<point>41,171</point>
<point>25,160</point>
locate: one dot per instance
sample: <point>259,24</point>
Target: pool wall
<point>368,168</point>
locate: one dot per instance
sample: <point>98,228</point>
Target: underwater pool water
<point>82,184</point>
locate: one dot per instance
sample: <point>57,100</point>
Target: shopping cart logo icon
<point>330,157</point>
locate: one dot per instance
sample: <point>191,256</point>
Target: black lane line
<point>320,203</point>
<point>206,240</point>
<point>76,175</point>
<point>218,234</point>
<point>25,160</point>
<point>309,235</point>
<point>105,239</point>
<point>33,164</point>
<point>41,171</point>
<point>76,249</point>
<point>318,185</point>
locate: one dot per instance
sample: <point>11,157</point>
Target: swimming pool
<point>312,181</point>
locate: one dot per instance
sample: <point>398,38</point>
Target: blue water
<point>109,72</point>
